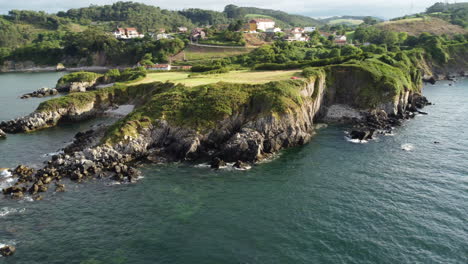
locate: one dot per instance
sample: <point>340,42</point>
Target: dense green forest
<point>235,12</point>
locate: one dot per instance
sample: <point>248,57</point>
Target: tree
<point>370,20</point>
<point>147,60</point>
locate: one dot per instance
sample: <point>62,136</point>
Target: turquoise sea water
<point>330,201</point>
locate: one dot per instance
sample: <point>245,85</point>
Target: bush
<point>132,74</point>
<point>205,68</point>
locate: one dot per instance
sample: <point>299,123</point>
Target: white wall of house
<point>264,25</point>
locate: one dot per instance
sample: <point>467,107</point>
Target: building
<point>341,40</point>
<point>197,33</point>
<point>261,24</point>
<point>273,30</point>
<point>159,67</point>
<point>309,29</point>
<point>127,33</point>
<point>297,34</point>
<point>163,36</point>
<point>182,29</point>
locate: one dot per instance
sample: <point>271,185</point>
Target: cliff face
<point>244,136</point>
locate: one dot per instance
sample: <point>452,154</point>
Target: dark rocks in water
<point>430,80</point>
<point>14,189</point>
<point>7,251</point>
<point>2,134</point>
<point>17,195</point>
<point>86,139</point>
<point>361,134</point>
<point>42,92</point>
<point>37,197</point>
<point>240,165</point>
<point>422,113</point>
<point>217,163</point>
<point>419,101</point>
<point>23,173</point>
<point>59,187</point>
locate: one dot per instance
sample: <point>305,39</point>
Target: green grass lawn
<point>253,77</point>
<point>193,53</point>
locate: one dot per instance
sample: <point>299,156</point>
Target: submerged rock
<point>59,187</point>
<point>7,251</point>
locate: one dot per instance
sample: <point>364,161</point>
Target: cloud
<point>317,8</point>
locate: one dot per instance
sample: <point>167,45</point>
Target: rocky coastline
<point>242,138</point>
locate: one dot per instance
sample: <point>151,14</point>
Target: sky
<point>315,8</point>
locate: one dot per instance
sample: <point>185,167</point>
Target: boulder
<point>59,187</point>
<point>217,163</point>
<point>240,165</point>
<point>361,134</point>
<point>2,134</point>
<point>7,251</point>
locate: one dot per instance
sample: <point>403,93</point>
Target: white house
<point>127,33</point>
<point>261,24</point>
<point>309,29</point>
<point>341,38</point>
<point>273,30</point>
<point>163,36</point>
<point>297,34</point>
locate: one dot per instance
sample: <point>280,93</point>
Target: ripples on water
<point>327,202</point>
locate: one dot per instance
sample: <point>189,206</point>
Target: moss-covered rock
<point>77,81</point>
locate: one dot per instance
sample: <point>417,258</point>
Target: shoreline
<point>66,69</point>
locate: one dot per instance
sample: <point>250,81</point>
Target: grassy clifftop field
<point>416,26</point>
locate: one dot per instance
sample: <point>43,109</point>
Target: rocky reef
<point>7,251</point>
<point>42,92</point>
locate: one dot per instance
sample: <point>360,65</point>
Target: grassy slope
<point>253,77</point>
<point>416,26</point>
<point>353,22</point>
<point>195,53</point>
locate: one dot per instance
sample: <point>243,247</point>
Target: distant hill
<point>347,20</point>
<point>235,12</point>
<point>416,26</point>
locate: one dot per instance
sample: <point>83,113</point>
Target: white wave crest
<point>356,141</point>
<point>407,147</point>
<point>6,211</point>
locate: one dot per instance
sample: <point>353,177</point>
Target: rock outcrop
<point>76,87</point>
<point>42,92</point>
<point>7,251</point>
<point>44,119</point>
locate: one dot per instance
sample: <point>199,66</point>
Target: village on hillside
<point>264,27</point>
